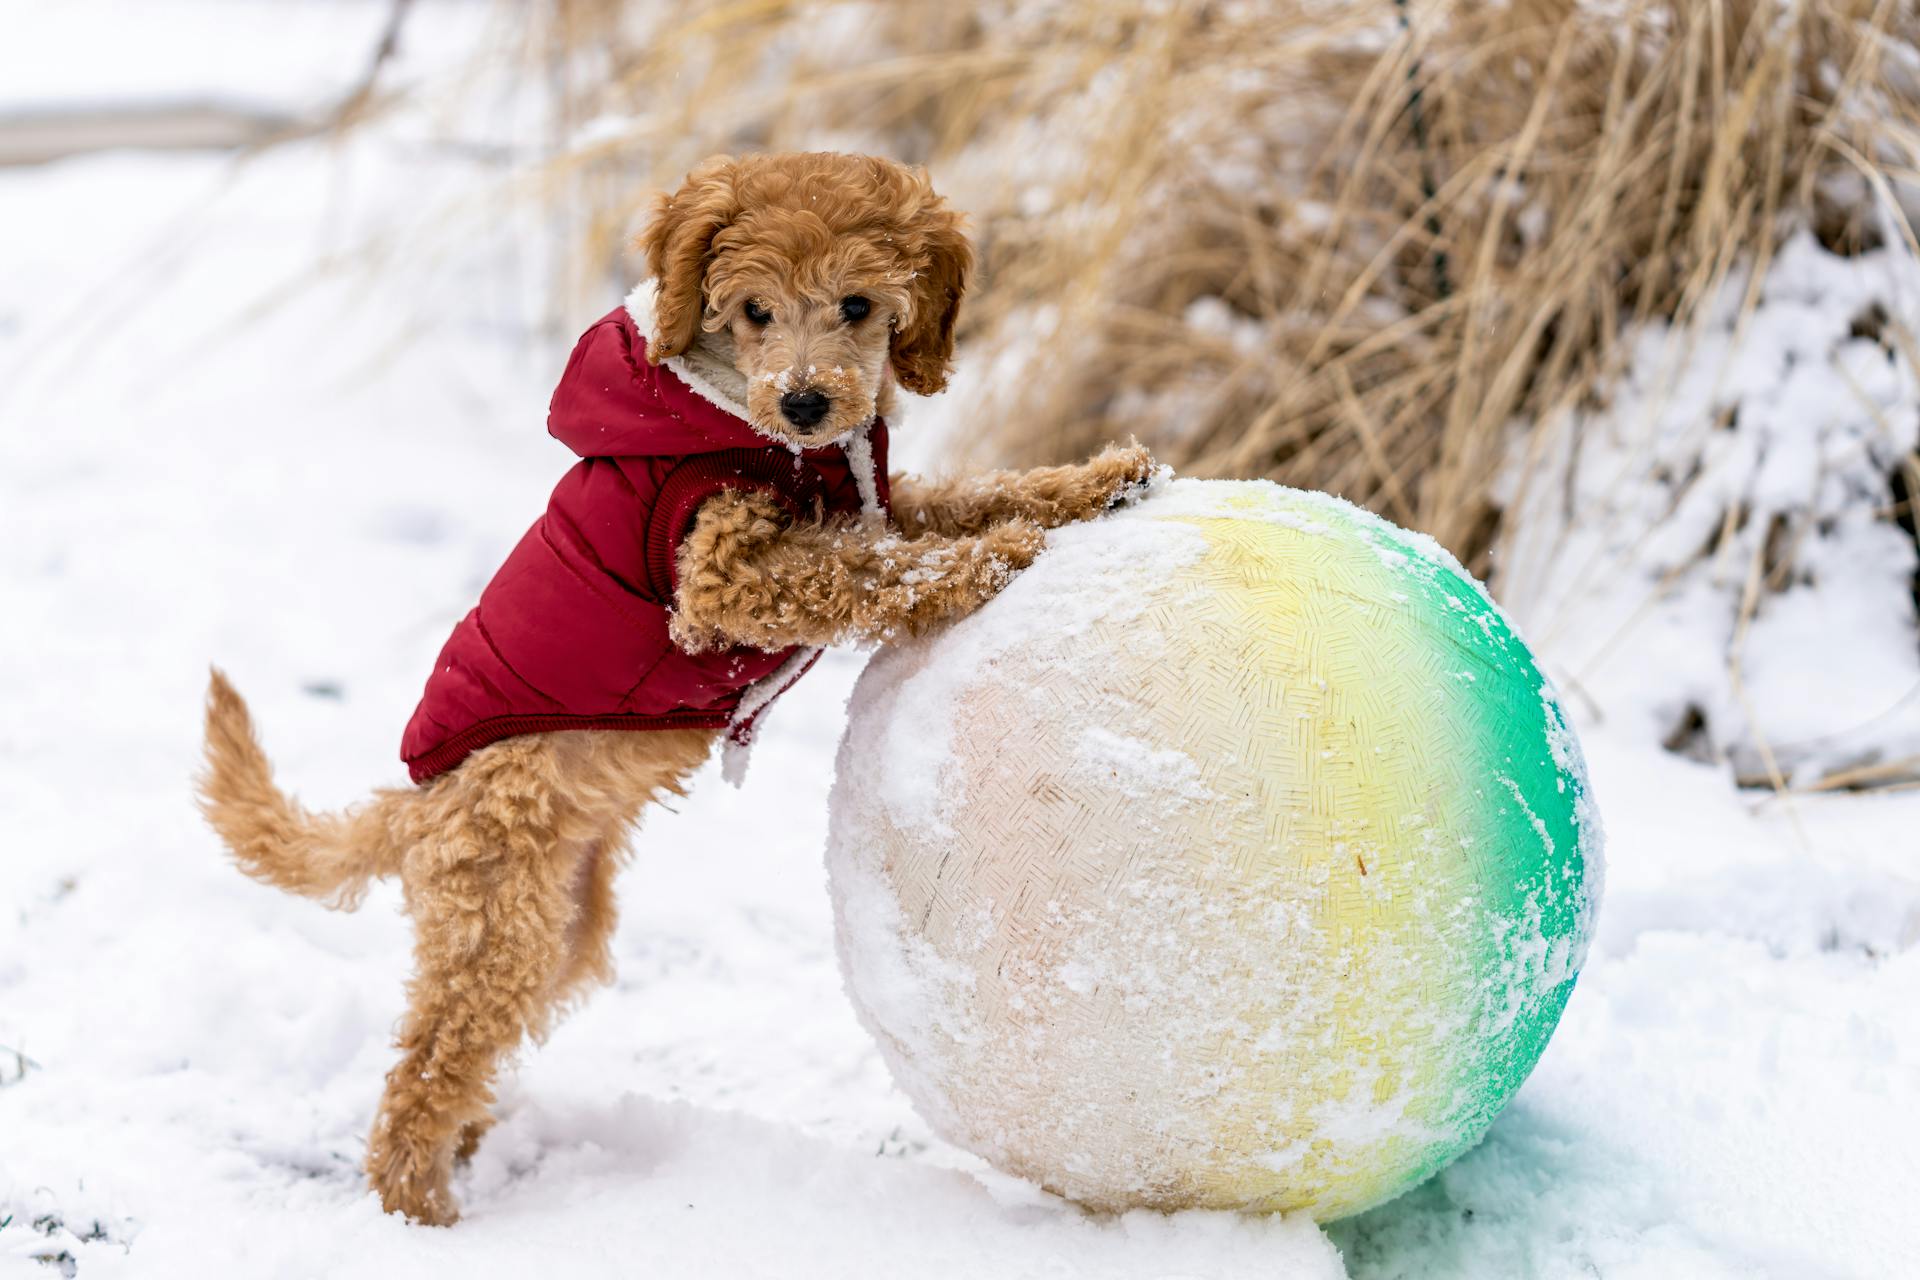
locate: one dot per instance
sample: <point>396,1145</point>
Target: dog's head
<point>827,271</point>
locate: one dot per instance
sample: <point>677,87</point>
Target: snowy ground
<point>224,437</point>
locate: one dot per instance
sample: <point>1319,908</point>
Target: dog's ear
<point>922,350</point>
<point>678,241</point>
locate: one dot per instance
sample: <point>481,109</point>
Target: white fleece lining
<point>734,753</point>
<point>640,307</point>
<point>866,478</point>
<point>858,447</point>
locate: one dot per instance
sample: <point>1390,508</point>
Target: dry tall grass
<point>1346,246</point>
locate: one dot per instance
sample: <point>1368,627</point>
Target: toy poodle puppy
<point>730,513</point>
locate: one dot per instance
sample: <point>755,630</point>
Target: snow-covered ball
<point>1238,855</point>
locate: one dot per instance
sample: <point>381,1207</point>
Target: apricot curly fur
<point>749,576</point>
<point>507,866</point>
<point>678,243</point>
<point>507,862</point>
<point>1047,496</point>
<point>783,228</point>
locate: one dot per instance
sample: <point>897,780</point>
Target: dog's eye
<point>853,310</point>
<point>758,314</point>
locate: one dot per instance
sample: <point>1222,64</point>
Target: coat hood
<point>582,608</point>
<point>612,403</point>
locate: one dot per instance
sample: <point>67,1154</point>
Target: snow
<point>293,55</point>
<point>1727,519</point>
<point>1138,766</point>
<point>288,417</point>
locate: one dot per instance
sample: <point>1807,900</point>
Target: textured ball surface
<point>1237,856</point>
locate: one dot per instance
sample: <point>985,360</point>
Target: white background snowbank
<point>1722,544</point>
<point>214,445</point>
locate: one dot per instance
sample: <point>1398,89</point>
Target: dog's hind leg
<point>584,955</point>
<point>470,1135</point>
<point>609,778</point>
<point>589,957</point>
<point>627,772</point>
<point>491,899</point>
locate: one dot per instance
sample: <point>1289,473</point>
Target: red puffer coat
<point>571,633</point>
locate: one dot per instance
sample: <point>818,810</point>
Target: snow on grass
<point>1720,555</point>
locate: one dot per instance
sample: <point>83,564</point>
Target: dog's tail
<point>321,855</point>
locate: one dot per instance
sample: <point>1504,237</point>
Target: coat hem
<point>429,765</point>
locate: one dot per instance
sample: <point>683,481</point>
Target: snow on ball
<point>1238,855</point>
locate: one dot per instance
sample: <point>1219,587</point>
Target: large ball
<point>1238,855</point>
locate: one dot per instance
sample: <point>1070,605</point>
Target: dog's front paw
<point>689,636</point>
<point>1120,473</point>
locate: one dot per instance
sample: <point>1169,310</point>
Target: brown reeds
<point>1357,247</point>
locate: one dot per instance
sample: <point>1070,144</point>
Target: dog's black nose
<point>804,408</point>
